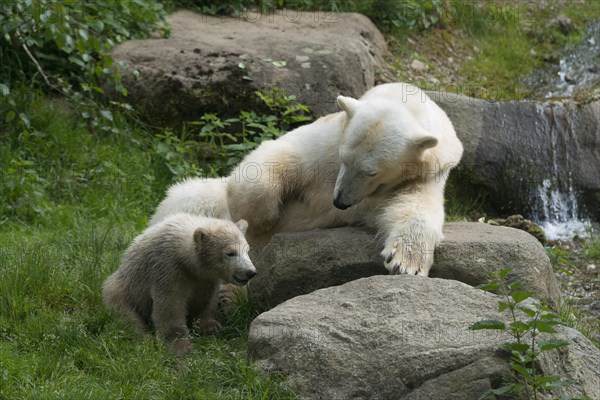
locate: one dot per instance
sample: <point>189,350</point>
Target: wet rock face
<point>215,64</point>
<point>536,158</point>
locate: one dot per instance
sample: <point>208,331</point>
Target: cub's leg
<point>202,309</point>
<point>169,311</point>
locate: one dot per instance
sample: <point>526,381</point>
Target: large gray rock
<point>298,263</point>
<point>397,338</point>
<point>215,64</point>
<point>529,156</point>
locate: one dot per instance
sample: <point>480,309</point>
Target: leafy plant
<point>63,47</point>
<point>67,42</point>
<point>592,248</point>
<point>526,326</point>
<point>559,259</point>
<point>211,146</point>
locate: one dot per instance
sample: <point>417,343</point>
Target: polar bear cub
<point>382,162</point>
<point>170,274</point>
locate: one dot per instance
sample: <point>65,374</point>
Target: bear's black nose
<point>338,204</point>
<point>250,274</point>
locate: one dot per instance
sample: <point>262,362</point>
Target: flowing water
<point>555,201</point>
<point>578,69</point>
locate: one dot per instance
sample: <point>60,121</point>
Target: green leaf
<point>83,33</point>
<point>279,64</point>
<point>488,324</point>
<point>544,326</point>
<point>558,383</point>
<point>514,346</point>
<point>242,65</point>
<point>107,114</point>
<point>10,115</point>
<point>4,89</point>
<point>524,372</point>
<point>520,295</point>
<point>502,274</point>
<point>519,326</point>
<point>528,311</point>
<point>516,285</point>
<point>498,391</point>
<point>503,306</point>
<point>489,287</point>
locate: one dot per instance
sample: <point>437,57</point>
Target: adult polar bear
<point>391,151</point>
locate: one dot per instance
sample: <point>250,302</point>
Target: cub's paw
<point>207,326</point>
<point>402,258</point>
<point>225,297</point>
<point>181,346</point>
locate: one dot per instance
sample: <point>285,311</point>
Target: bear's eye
<point>231,254</point>
<point>371,173</point>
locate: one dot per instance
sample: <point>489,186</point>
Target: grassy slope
<point>75,204</point>
<point>482,49</point>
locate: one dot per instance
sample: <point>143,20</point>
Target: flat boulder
<point>401,337</point>
<point>293,264</point>
<point>215,64</point>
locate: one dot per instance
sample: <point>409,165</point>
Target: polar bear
<point>197,196</point>
<point>383,162</point>
<point>170,275</point>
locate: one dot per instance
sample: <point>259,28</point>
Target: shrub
<point>64,44</point>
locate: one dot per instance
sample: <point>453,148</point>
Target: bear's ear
<point>426,142</point>
<point>243,225</point>
<point>200,235</point>
<point>348,104</point>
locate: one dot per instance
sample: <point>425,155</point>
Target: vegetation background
<point>79,176</point>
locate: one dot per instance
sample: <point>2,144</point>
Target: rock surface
<point>215,64</point>
<point>299,263</point>
<point>400,337</point>
<point>535,158</point>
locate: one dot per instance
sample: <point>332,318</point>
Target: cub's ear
<point>200,235</point>
<point>243,225</point>
<point>348,104</point>
<point>426,142</point>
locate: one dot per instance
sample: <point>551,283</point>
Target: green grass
<point>59,342</point>
<point>507,33</point>
<point>71,200</point>
<point>592,248</point>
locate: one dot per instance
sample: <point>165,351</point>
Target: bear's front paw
<point>207,326</point>
<point>401,258</point>
<point>181,346</point>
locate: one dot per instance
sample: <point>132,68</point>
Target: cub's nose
<point>250,274</point>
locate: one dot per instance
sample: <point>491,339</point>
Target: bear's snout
<point>242,278</point>
<point>337,203</point>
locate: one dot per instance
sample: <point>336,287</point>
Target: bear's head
<point>382,145</point>
<point>223,251</point>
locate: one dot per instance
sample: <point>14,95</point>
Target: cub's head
<point>223,251</point>
<point>380,141</point>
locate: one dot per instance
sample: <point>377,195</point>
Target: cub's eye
<point>231,254</point>
<point>372,173</point>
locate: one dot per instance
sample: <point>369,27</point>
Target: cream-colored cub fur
<point>382,162</point>
<point>170,274</point>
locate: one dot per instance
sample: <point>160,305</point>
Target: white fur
<point>196,196</point>
<point>395,131</point>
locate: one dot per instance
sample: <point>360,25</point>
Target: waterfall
<point>555,205</point>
